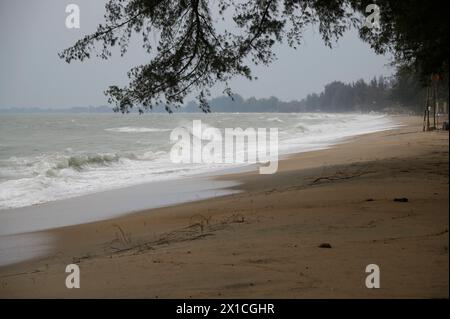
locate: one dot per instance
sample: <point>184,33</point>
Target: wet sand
<point>265,242</point>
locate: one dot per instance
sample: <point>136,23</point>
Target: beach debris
<point>200,221</point>
<point>237,218</point>
<point>121,236</point>
<point>401,200</point>
<point>325,245</point>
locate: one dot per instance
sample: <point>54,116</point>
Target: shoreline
<point>207,184</point>
<point>21,225</point>
<point>263,242</point>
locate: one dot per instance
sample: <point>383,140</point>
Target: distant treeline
<point>400,93</point>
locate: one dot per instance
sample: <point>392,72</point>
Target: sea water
<point>49,157</point>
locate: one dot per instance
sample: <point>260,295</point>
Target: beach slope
<point>308,231</point>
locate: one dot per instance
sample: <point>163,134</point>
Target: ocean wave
<point>130,129</point>
<point>79,161</point>
<point>302,128</point>
<point>275,119</point>
<point>53,165</point>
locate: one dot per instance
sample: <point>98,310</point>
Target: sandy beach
<point>308,231</point>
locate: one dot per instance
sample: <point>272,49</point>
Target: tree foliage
<point>416,32</point>
<point>192,54</point>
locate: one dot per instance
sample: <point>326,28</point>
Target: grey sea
<point>49,157</point>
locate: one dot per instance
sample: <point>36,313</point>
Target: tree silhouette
<point>416,32</point>
<point>192,55</point>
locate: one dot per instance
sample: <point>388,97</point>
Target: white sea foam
<point>275,119</point>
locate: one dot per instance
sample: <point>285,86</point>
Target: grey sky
<point>31,74</point>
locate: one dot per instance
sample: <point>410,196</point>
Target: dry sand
<point>264,242</point>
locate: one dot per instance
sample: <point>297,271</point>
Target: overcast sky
<point>31,74</point>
